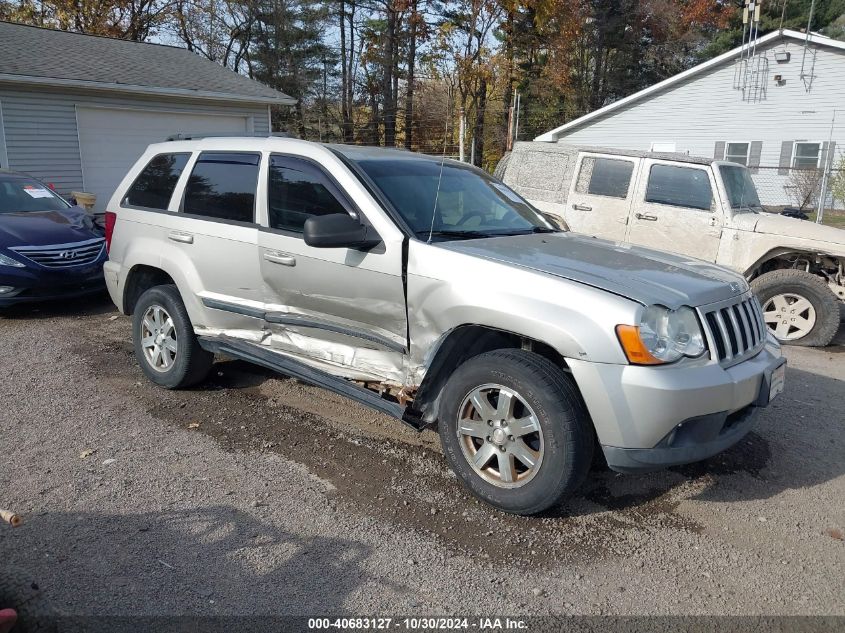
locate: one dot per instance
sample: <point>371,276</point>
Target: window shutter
<point>754,155</point>
<point>719,151</point>
<point>785,157</point>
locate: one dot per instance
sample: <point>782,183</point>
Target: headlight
<point>662,336</point>
<point>8,261</point>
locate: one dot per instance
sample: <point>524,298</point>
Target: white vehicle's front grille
<point>63,255</point>
<point>735,328</point>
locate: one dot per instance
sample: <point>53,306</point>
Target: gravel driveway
<point>255,494</point>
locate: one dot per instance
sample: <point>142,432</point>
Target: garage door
<point>111,140</point>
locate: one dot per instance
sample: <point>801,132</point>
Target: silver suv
<point>432,292</point>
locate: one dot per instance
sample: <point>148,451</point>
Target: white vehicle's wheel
<point>165,344</point>
<point>515,430</point>
<point>798,307</point>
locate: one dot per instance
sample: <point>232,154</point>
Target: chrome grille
<point>63,255</point>
<point>735,328</point>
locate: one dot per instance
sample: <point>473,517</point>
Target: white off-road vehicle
<point>704,208</point>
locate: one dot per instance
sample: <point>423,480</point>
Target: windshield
<point>459,203</point>
<point>21,195</point>
<point>742,194</point>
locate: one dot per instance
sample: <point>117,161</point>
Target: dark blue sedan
<point>48,248</point>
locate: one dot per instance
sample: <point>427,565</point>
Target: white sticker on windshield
<point>37,192</point>
<point>509,193</point>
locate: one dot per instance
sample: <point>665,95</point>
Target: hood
<point>774,224</point>
<point>36,228</point>
<point>641,274</point>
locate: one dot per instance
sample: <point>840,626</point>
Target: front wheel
<point>165,344</point>
<point>514,429</point>
<point>798,307</point>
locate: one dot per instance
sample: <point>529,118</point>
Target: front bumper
<point>648,418</point>
<point>32,284</point>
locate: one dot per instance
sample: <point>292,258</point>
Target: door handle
<point>184,238</point>
<point>582,207</point>
<point>646,216</point>
<point>280,258</point>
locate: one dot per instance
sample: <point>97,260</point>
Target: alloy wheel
<point>158,338</point>
<point>500,436</point>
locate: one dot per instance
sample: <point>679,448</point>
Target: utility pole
<point>518,106</point>
<point>461,128</point>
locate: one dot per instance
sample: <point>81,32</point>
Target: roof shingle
<point>48,54</point>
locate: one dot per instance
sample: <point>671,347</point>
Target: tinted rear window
<point>154,186</point>
<point>222,186</point>
<point>679,187</point>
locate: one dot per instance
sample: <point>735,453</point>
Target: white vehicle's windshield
<point>742,194</point>
<point>446,199</point>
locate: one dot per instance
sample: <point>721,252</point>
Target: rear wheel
<point>514,429</point>
<point>165,344</point>
<point>798,307</point>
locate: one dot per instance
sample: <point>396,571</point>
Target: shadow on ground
<point>91,305</point>
<point>215,560</point>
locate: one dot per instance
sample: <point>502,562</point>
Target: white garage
<point>77,110</point>
<point>112,139</point>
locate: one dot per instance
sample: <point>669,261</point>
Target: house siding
<point>41,135</point>
<point>706,110</point>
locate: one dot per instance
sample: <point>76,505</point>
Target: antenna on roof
<point>804,76</point>
<point>751,68</point>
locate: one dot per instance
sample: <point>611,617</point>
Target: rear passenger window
<point>679,187</point>
<point>222,186</point>
<point>155,184</point>
<point>604,177</point>
<point>298,190</point>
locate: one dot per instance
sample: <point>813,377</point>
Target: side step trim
<point>256,354</point>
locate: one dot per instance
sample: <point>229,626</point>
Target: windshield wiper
<point>492,233</point>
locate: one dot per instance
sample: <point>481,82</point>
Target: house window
<point>737,153</point>
<point>806,155</point>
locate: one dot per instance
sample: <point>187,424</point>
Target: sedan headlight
<point>8,261</point>
<point>662,336</point>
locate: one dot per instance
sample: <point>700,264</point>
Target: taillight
<point>111,219</point>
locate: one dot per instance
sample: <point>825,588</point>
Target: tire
<point>818,308</point>
<point>562,449</point>
<point>20,592</point>
<point>188,362</point>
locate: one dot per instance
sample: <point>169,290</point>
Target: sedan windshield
<point>739,186</point>
<point>21,195</point>
<point>449,200</point>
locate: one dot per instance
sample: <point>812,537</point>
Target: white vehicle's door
<point>676,209</point>
<point>211,237</point>
<point>600,195</point>
<point>336,305</point>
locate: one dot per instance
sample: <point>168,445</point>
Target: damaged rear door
<point>341,307</point>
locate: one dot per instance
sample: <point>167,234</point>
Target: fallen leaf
<point>87,453</point>
<point>194,425</point>
<point>835,533</point>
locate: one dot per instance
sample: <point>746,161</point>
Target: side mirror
<point>338,230</point>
